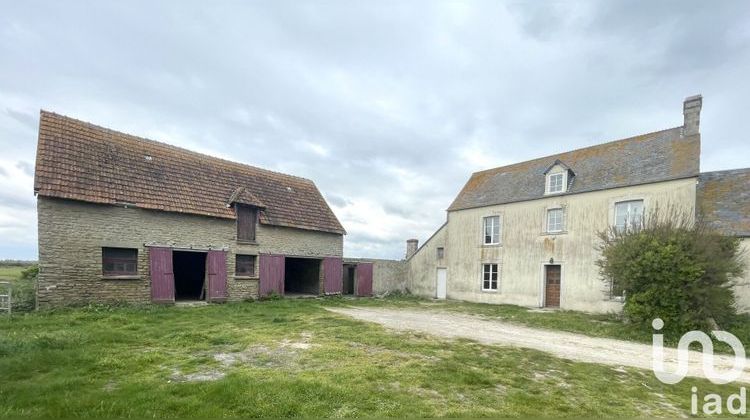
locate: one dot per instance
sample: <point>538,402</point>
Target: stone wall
<point>72,234</point>
<point>422,266</point>
<point>387,275</point>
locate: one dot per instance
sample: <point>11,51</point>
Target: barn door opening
<point>349,279</point>
<point>189,274</point>
<point>302,276</point>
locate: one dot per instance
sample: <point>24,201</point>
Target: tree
<point>674,268</point>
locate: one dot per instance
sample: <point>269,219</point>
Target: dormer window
<point>556,183</point>
<point>557,177</point>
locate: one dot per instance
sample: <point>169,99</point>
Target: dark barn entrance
<point>302,276</point>
<point>349,275</point>
<point>189,274</point>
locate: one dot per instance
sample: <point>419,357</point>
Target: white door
<point>442,282</point>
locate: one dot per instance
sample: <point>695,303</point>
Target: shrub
<point>24,290</point>
<point>672,268</point>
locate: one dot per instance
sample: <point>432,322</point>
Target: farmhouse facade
<point>526,234</point>
<point>122,218</point>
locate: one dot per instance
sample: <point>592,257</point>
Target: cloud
<point>387,106</point>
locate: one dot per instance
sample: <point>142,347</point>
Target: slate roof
<point>81,161</point>
<point>653,157</point>
<point>724,200</point>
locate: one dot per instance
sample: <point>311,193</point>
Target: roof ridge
<point>167,145</point>
<point>723,171</point>
<point>609,143</point>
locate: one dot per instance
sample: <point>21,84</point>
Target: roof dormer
<point>557,178</point>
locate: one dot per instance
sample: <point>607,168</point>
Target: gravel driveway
<point>561,344</point>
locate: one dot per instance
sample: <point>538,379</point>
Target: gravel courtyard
<point>561,344</point>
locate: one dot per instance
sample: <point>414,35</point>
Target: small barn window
<point>245,265</point>
<point>119,261</point>
<point>247,217</point>
<point>440,253</point>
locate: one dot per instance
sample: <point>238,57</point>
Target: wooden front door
<point>552,286</point>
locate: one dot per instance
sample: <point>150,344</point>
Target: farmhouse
<point>526,233</point>
<point>122,218</point>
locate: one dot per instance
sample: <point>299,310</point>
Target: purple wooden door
<point>162,275</point>
<point>271,274</point>
<point>364,279</point>
<point>216,266</point>
<point>333,272</point>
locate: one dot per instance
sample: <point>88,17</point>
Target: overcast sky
<point>387,106</point>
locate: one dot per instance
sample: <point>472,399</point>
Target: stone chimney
<point>411,247</point>
<point>691,109</point>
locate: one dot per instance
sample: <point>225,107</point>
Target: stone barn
<point>123,218</point>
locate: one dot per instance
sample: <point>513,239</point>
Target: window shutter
<point>247,218</point>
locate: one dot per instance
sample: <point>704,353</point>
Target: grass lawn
<point>294,358</point>
<point>594,325</point>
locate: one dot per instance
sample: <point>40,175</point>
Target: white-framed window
<point>555,220</point>
<point>556,183</point>
<point>628,215</point>
<point>491,231</point>
<point>489,277</point>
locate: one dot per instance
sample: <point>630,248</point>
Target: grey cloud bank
<point>388,106</point>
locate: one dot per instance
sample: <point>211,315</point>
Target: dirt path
<point>561,344</point>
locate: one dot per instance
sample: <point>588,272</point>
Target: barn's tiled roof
<point>81,161</point>
<point>659,156</point>
<point>724,200</point>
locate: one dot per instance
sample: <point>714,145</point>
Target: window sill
<point>562,232</point>
<point>121,277</point>
<point>236,277</point>
<point>246,242</point>
<point>492,245</point>
<point>490,291</point>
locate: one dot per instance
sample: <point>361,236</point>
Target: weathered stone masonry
<point>72,234</point>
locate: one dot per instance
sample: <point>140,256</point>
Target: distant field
<point>11,272</point>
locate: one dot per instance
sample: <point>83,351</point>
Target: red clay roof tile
<point>81,161</point>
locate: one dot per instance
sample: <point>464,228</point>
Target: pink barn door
<point>333,270</point>
<point>162,275</point>
<point>364,279</point>
<point>216,266</point>
<point>271,274</point>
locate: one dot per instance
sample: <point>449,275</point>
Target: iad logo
<point>683,356</point>
<point>712,403</point>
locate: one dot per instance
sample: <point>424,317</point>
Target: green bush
<point>674,269</point>
<point>24,290</point>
